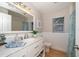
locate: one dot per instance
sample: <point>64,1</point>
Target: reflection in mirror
<point>21,22</point>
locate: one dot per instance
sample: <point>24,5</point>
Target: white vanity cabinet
<point>32,50</point>
<point>5,22</point>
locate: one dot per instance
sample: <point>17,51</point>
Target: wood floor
<point>55,53</point>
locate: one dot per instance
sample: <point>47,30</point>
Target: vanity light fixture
<point>16,3</point>
<point>24,13</point>
<point>54,2</point>
<point>22,5</point>
<point>29,8</point>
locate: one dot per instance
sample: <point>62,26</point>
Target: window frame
<point>55,25</point>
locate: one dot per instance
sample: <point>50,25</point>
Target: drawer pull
<point>36,53</point>
<point>23,56</point>
<point>37,46</point>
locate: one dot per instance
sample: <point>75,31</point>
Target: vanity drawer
<point>41,44</point>
<point>38,45</point>
<point>20,53</point>
<point>32,50</point>
<point>39,48</point>
<point>35,48</point>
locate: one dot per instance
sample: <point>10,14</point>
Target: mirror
<point>15,21</point>
<point>21,22</point>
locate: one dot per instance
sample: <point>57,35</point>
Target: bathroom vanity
<point>20,22</point>
<point>32,48</point>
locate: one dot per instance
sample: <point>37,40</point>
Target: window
<point>58,24</point>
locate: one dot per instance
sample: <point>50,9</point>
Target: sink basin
<point>14,44</point>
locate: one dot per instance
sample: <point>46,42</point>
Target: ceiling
<point>46,7</point>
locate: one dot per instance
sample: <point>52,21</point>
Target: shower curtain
<point>71,41</point>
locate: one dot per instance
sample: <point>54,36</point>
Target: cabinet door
<point>6,22</point>
<point>41,45</point>
<point>35,48</point>
<point>31,51</point>
<point>0,22</point>
<point>20,53</point>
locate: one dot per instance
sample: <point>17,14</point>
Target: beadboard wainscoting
<point>59,41</point>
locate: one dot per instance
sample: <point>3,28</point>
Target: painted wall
<point>77,24</point>
<point>48,18</point>
<point>77,27</point>
<point>59,41</point>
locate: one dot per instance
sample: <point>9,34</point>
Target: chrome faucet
<point>16,37</point>
<point>25,36</point>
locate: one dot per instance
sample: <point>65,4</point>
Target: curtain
<point>71,41</point>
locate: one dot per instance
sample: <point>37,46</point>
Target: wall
<point>48,18</point>
<point>77,27</point>
<point>59,41</point>
<point>77,24</point>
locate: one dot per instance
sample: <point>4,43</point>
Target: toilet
<point>47,46</point>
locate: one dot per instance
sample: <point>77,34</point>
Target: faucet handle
<point>25,36</point>
<point>21,38</point>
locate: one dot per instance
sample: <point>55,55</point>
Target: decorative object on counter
<point>14,41</point>
<point>2,39</point>
<point>14,44</point>
<point>34,32</point>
